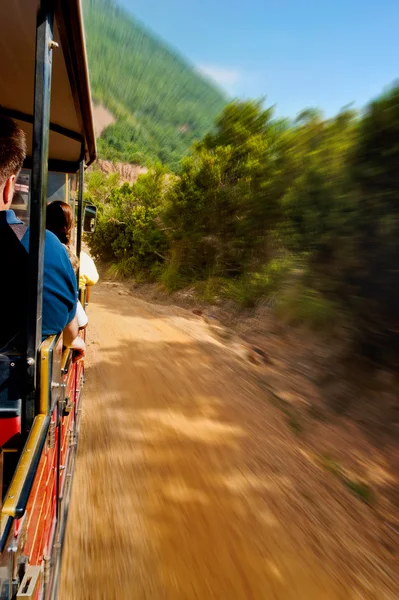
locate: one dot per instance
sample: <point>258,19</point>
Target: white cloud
<point>223,76</point>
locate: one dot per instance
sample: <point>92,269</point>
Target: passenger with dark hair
<point>59,281</point>
<point>60,221</point>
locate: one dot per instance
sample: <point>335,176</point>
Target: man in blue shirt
<point>59,282</point>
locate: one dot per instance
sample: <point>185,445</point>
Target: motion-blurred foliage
<point>304,213</point>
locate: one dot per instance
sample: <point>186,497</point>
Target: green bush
<point>121,270</point>
<point>128,231</point>
<point>171,278</point>
<point>304,306</point>
<point>211,289</point>
<point>249,289</point>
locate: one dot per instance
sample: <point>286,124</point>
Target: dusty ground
<point>102,118</point>
<point>126,171</point>
<point>194,479</point>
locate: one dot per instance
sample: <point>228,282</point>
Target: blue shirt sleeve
<point>59,286</point>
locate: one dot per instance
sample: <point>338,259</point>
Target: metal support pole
<point>79,225</point>
<point>41,122</point>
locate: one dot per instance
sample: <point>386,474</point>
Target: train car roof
<point>71,119</point>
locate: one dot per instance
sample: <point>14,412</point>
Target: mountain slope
<point>161,104</point>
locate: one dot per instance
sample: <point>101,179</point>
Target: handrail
<point>67,357</point>
<point>46,373</point>
<point>21,484</point>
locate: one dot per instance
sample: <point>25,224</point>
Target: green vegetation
<point>295,425</point>
<point>360,489</point>
<point>303,216</point>
<point>294,420</point>
<point>161,104</point>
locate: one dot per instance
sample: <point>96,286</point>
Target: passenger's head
<point>59,220</point>
<point>12,156</point>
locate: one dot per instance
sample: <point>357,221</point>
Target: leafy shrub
<point>248,290</point>
<point>128,231</point>
<point>171,278</point>
<point>305,306</point>
<point>121,270</point>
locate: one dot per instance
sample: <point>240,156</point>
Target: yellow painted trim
<point>66,188</point>
<point>45,364</point>
<point>3,523</point>
<point>65,355</point>
<point>21,472</point>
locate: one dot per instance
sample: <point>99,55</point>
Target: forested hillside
<point>160,102</point>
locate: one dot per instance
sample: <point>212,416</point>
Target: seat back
<point>14,285</point>
<point>11,378</point>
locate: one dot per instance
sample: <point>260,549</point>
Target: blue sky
<point>298,53</point>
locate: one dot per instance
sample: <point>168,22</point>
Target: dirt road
<point>189,485</point>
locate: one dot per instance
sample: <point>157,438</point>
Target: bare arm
<point>73,340</point>
<point>71,332</point>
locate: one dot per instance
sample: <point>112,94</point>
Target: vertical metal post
<point>79,225</point>
<point>41,123</point>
